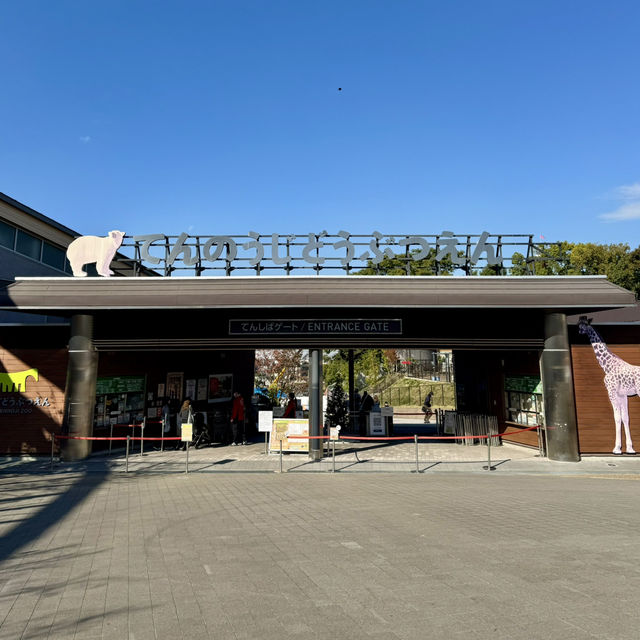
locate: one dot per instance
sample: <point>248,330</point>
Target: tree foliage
<point>337,412</point>
<point>282,369</point>
<point>618,262</point>
<point>397,266</point>
<point>369,366</point>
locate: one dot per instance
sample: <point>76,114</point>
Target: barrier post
<point>187,464</point>
<point>280,456</point>
<point>162,427</point>
<point>333,442</point>
<point>53,441</point>
<point>488,466</point>
<point>415,437</point>
<point>110,437</point>
<point>266,444</point>
<point>126,468</point>
<point>142,435</point>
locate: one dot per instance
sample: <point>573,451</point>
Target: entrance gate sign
<point>342,251</point>
<point>347,327</point>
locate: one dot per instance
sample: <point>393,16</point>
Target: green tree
<point>618,262</point>
<point>370,364</point>
<point>337,412</point>
<point>402,265</point>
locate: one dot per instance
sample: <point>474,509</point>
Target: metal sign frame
<point>321,252</point>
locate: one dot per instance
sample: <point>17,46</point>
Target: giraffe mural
<point>621,380</point>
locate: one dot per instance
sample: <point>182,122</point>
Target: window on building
<point>7,235</point>
<point>28,245</point>
<point>53,256</point>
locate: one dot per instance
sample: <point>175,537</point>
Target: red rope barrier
<point>131,439</point>
<point>376,437</point>
<point>297,437</point>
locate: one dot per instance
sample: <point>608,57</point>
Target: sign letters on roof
<point>315,252</point>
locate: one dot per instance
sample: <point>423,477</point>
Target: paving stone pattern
<point>87,552</point>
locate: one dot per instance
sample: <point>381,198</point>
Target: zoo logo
<point>12,382</point>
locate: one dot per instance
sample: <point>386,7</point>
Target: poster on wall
<point>190,389</point>
<point>174,386</point>
<point>202,389</point>
<point>160,390</point>
<point>292,427</point>
<point>220,387</point>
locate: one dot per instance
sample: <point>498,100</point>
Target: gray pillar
<point>80,396</point>
<point>315,403</point>
<point>557,388</point>
<point>352,393</point>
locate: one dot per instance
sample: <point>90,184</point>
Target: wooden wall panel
<point>28,417</point>
<point>596,427</point>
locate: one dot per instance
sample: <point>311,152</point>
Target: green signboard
<point>120,384</point>
<point>525,384</point>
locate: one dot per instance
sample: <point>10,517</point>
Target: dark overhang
<point>568,294</point>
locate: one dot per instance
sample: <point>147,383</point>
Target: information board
<point>525,384</point>
<point>265,421</point>
<point>292,427</point>
<point>120,384</point>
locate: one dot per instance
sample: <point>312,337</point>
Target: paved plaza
<point>532,550</point>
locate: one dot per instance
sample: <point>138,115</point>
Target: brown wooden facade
<point>29,417</point>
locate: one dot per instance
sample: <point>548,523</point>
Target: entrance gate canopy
<point>209,312</point>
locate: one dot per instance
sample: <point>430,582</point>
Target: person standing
<point>426,407</point>
<point>365,407</point>
<point>237,418</point>
<point>185,416</point>
<point>292,406</point>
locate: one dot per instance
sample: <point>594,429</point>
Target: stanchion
<point>53,442</point>
<point>415,437</point>
<point>126,468</point>
<point>110,437</point>
<point>162,427</point>
<point>488,466</point>
<point>333,442</point>
<point>142,425</point>
<point>280,457</point>
<point>187,465</point>
<point>266,444</point>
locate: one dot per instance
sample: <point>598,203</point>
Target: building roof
<point>567,294</point>
<point>36,214</point>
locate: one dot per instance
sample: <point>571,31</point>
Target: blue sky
<point>222,117</point>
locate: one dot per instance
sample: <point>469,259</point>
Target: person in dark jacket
<point>365,407</point>
<point>237,418</point>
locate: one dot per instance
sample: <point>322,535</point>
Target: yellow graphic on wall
<point>292,427</point>
<point>10,382</point>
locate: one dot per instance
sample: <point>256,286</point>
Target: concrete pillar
<point>557,388</point>
<point>352,394</point>
<point>315,403</point>
<point>80,396</point>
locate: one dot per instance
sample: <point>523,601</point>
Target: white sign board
<point>187,432</point>
<point>386,411</point>
<point>376,426</point>
<point>265,421</point>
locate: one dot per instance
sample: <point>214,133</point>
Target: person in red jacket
<point>237,418</point>
<point>292,406</point>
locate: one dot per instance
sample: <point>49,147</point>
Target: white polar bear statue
<point>88,249</point>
